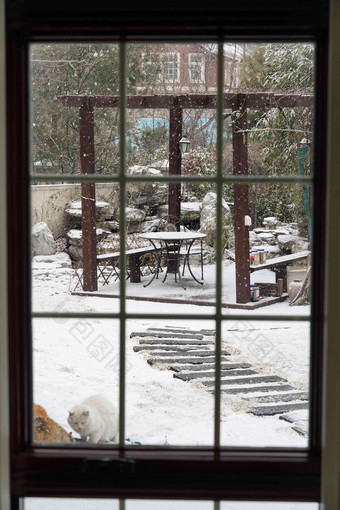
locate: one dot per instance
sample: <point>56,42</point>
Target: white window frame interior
<point>201,65</point>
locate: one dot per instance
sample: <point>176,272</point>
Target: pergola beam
<point>195,101</point>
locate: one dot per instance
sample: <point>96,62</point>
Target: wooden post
<point>241,209</point>
<point>88,197</point>
<point>175,161</point>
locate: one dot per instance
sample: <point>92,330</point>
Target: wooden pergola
<point>176,104</point>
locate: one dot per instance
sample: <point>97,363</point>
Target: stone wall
<point>48,202</point>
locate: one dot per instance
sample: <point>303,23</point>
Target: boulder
<point>208,211</point>
<point>267,238</point>
<point>73,212</point>
<point>191,212</point>
<point>150,194</point>
<point>75,239</point>
<point>271,222</point>
<point>208,220</point>
<point>291,243</point>
<point>43,242</point>
<point>254,239</point>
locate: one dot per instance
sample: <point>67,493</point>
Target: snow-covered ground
<point>76,358</point>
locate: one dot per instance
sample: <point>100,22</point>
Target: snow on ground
<point>76,358</point>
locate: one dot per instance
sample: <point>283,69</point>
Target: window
<point>182,466</point>
<point>196,63</point>
<point>171,67</point>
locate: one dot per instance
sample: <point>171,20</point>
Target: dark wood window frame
<point>151,473</point>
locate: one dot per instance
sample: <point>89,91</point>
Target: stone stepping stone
<point>277,409</point>
<point>166,335</point>
<point>296,416</point>
<point>249,380</point>
<point>253,389</point>
<point>301,429</point>
<point>211,375</point>
<point>164,341</point>
<point>184,331</point>
<point>284,397</point>
<point>171,348</point>
<point>204,366</point>
<point>192,353</point>
<point>193,360</point>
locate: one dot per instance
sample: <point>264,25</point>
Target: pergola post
<point>175,161</point>
<point>88,197</point>
<point>241,208</point>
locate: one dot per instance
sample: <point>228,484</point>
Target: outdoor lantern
<point>184,143</point>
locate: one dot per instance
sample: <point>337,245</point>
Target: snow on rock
<point>271,221</point>
<point>191,211</point>
<point>75,239</point>
<point>209,217</point>
<point>73,211</point>
<point>254,239</point>
<point>58,260</point>
<point>272,251</point>
<point>267,238</point>
<point>291,243</point>
<point>43,242</point>
<point>134,215</point>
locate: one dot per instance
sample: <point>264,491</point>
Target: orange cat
<point>46,430</point>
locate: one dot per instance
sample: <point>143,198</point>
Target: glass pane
<point>61,75</point>
<point>170,246</point>
<point>68,261</point>
<point>167,505</point>
<point>268,260</point>
<point>268,127</point>
<point>171,125</point>
<point>66,503</point>
<point>75,381</point>
<point>162,407</point>
<point>265,383</point>
<point>265,505</point>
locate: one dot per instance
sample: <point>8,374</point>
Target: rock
<point>271,221</point>
<point>58,260</point>
<point>112,225</point>
<point>291,243</point>
<point>272,251</point>
<point>43,242</point>
<point>75,239</point>
<point>191,212</point>
<point>74,214</point>
<point>162,165</point>
<point>150,226</point>
<point>267,238</point>
<point>149,194</point>
<point>254,239</point>
<point>208,220</point>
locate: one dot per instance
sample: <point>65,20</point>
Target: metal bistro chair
<point>187,249</point>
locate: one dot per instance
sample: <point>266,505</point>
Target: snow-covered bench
<point>279,265</point>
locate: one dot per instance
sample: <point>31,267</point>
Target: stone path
<point>190,355</point>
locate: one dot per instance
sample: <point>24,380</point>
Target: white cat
<point>95,417</point>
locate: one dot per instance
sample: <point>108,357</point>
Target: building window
<point>196,68</point>
<point>171,67</point>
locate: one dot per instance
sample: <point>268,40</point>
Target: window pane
<point>162,407</point>
<point>65,503</point>
<point>267,256</point>
<point>172,257</point>
<point>265,383</point>
<point>172,106</point>
<point>75,381</point>
<point>269,130</point>
<point>68,261</point>
<point>60,73</point>
<point>168,505</point>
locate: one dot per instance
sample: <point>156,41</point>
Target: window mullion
<point>218,255</point>
<point>122,223</point>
